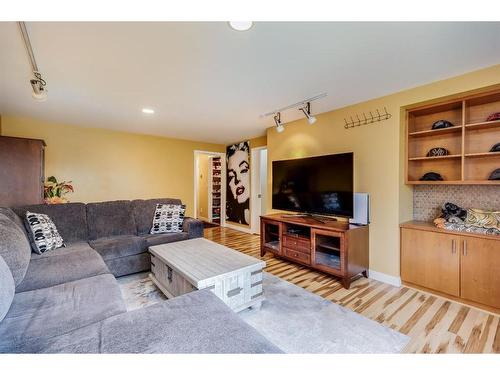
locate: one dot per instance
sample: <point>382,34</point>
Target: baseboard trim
<point>237,227</point>
<point>383,277</point>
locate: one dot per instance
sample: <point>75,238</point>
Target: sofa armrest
<point>193,227</point>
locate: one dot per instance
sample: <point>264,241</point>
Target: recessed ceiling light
<point>148,111</point>
<point>241,25</point>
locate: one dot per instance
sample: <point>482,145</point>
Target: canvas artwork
<point>238,183</point>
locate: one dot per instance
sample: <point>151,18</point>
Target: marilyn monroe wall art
<point>238,183</point>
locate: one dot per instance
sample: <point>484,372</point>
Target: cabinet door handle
<point>465,248</point>
<point>453,247</point>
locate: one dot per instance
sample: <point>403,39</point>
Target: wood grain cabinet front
<point>431,260</point>
<point>463,266</point>
<point>480,272</point>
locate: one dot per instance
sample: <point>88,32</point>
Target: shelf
<point>456,182</point>
<point>431,132</point>
<point>429,158</point>
<point>483,155</point>
<point>275,245</point>
<point>328,259</point>
<point>329,247</point>
<point>483,125</point>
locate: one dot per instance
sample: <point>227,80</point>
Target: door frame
<point>196,174</point>
<point>254,189</point>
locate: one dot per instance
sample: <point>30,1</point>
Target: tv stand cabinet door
<point>271,232</point>
<point>324,253</point>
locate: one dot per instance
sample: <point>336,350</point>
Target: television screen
<point>317,185</point>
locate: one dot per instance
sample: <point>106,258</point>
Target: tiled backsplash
<point>428,199</point>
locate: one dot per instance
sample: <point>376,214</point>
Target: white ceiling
<point>207,82</point>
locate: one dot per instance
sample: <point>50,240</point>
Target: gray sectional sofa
<point>68,300</point>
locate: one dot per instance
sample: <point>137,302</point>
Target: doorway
<point>209,187</point>
<point>258,200</point>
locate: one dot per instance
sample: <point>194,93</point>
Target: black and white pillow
<point>43,233</point>
<point>168,218</point>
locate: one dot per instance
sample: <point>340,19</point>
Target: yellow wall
<point>379,154</point>
<point>108,165</point>
<point>258,142</point>
<point>203,176</point>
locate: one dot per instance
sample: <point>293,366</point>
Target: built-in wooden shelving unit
<point>469,141</point>
<point>216,190</point>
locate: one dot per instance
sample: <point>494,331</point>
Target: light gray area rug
<point>295,320</point>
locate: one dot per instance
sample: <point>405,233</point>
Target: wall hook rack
<point>370,119</point>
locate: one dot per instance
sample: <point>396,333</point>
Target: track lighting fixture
<point>307,111</point>
<point>303,105</point>
<point>279,125</point>
<point>37,82</point>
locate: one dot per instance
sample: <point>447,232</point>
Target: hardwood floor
<point>435,324</point>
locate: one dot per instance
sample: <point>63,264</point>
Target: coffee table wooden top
<point>201,261</point>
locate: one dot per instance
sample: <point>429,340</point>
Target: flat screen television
<point>316,185</point>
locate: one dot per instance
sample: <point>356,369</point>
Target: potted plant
<point>54,191</point>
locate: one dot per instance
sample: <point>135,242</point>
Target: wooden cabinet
<point>461,265</point>
<point>480,271</point>
<point>333,247</point>
<point>431,259</point>
<point>21,171</point>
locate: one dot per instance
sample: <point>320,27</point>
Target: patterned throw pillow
<point>483,219</point>
<point>168,218</point>
<point>43,233</point>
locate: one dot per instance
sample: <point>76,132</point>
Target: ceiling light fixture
<point>307,111</point>
<point>37,82</point>
<point>279,125</point>
<point>148,111</point>
<point>241,25</point>
<point>303,105</point>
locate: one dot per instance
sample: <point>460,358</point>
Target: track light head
<point>307,112</point>
<point>39,93</point>
<point>279,125</point>
<point>38,86</point>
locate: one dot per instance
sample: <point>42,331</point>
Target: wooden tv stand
<point>334,247</point>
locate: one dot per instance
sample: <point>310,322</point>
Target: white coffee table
<point>181,267</point>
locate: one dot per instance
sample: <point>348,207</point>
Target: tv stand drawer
<point>297,243</point>
<point>297,256</point>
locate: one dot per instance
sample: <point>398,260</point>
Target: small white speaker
<point>361,209</point>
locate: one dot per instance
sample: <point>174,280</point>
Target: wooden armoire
<point>21,171</point>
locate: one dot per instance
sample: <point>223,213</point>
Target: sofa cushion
<point>158,239</point>
<point>71,248</point>
<point>69,218</point>
<point>42,233</point>
<point>144,210</point>
<point>119,246</point>
<point>107,219</point>
<point>14,217</point>
<point>7,288</point>
<point>14,248</point>
<point>129,264</point>
<point>59,309</point>
<point>197,322</point>
<point>75,262</point>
